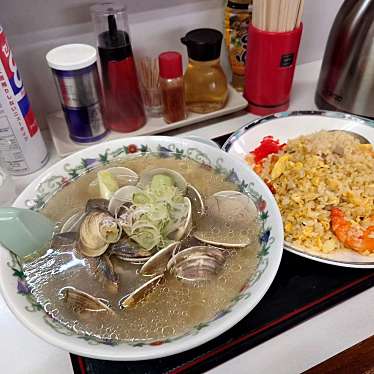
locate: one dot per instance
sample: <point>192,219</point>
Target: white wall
<point>35,26</point>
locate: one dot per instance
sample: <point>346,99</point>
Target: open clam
<point>106,274</point>
<point>97,231</point>
<point>157,263</point>
<point>127,250</point>
<point>227,221</point>
<point>183,224</point>
<point>197,202</point>
<point>80,301</point>
<point>196,264</point>
<point>122,196</point>
<point>140,293</point>
<point>178,180</point>
<point>97,204</point>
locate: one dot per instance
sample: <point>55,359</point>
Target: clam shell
<point>197,202</point>
<point>80,301</point>
<point>186,228</point>
<point>179,181</point>
<point>127,250</point>
<point>97,204</point>
<point>122,196</point>
<point>106,274</point>
<point>124,176</point>
<point>197,264</point>
<point>227,210</point>
<point>97,231</point>
<point>140,293</point>
<point>157,263</point>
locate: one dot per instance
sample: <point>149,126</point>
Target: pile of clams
<point>160,222</point>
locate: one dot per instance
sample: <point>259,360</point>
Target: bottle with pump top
<point>123,105</point>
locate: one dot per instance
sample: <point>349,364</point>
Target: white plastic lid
<point>71,57</point>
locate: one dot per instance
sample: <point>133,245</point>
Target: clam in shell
<point>197,264</point>
<point>185,226</point>
<point>228,220</point>
<point>97,204</point>
<point>122,196</point>
<point>197,202</point>
<point>128,250</point>
<point>104,271</point>
<point>81,302</point>
<point>140,293</point>
<point>178,179</point>
<point>157,263</point>
<point>97,231</point>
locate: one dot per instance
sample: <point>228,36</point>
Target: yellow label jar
<point>205,82</point>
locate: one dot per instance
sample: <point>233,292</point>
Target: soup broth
<point>173,307</point>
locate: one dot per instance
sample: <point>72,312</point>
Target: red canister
<point>270,68</point>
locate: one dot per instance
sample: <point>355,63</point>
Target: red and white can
<point>22,148</point>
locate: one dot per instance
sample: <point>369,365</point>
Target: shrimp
<point>352,235</point>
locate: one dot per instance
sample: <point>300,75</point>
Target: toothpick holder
<point>270,67</point>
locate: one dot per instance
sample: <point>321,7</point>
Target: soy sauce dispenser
<point>123,105</point>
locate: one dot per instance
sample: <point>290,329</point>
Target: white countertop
<point>293,351</point>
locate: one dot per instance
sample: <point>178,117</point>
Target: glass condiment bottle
<point>205,82</point>
<point>172,86</point>
<point>238,14</point>
<point>123,104</point>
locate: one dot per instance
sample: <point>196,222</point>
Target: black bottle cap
<point>114,44</point>
<point>238,5</point>
<point>203,44</point>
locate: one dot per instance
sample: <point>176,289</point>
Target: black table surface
<point>301,289</point>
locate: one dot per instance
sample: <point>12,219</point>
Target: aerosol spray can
<point>22,148</point>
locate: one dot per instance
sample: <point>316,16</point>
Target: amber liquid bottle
<point>205,82</point>
<point>206,86</point>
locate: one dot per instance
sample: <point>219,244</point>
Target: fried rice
<point>314,173</point>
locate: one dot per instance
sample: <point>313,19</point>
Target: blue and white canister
<point>77,80</point>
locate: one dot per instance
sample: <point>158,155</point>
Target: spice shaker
<point>205,82</point>
<point>172,86</point>
<point>123,105</point>
<point>76,76</point>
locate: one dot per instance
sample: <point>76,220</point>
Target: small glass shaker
<point>7,188</point>
<point>172,86</point>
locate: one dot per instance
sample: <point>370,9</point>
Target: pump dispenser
<point>123,105</point>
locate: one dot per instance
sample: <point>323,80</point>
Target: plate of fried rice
<point>320,168</point>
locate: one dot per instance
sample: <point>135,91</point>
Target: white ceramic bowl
<point>21,302</point>
<point>290,125</point>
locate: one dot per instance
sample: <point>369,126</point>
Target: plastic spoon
<point>24,231</point>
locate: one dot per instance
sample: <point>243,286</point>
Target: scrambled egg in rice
<point>314,173</point>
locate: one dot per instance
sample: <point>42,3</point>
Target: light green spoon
<point>24,231</point>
